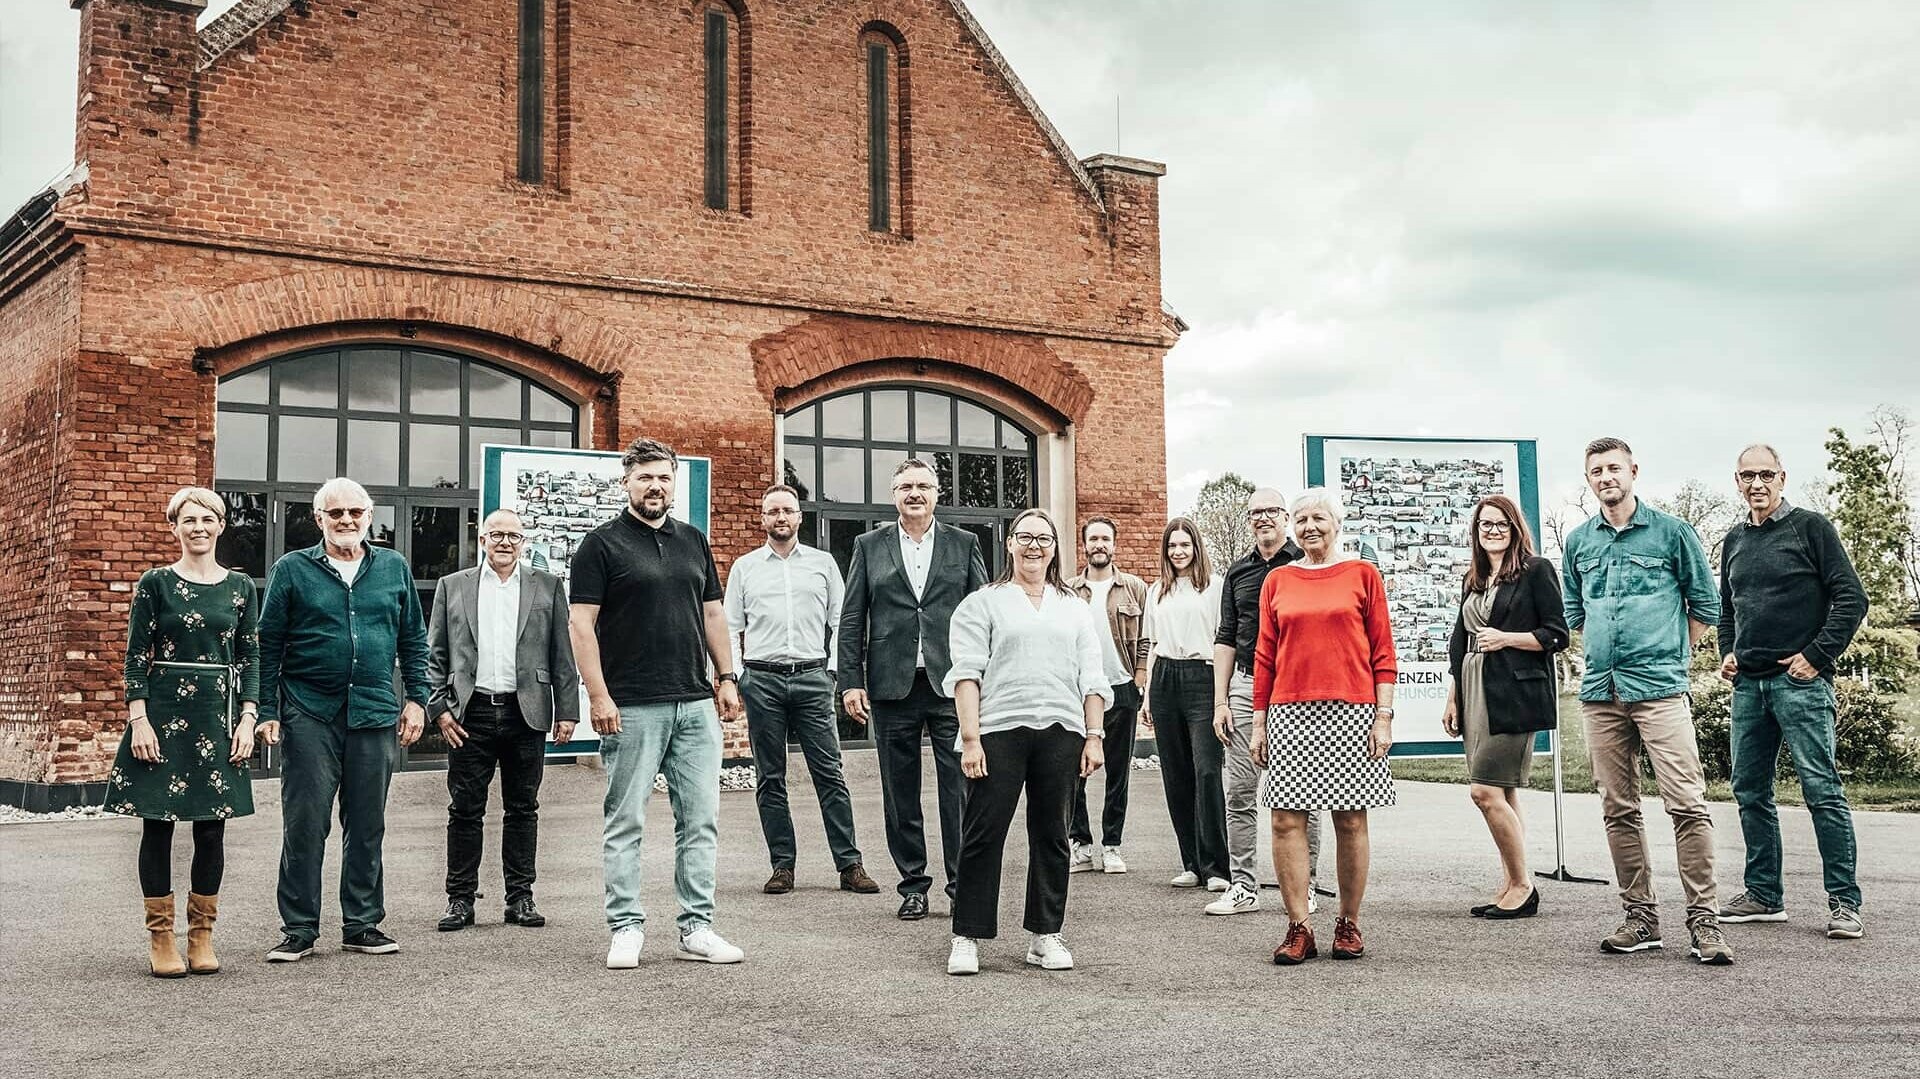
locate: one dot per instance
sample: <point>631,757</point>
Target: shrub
<point>1871,740</point>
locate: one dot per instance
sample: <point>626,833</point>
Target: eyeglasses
<point>511,539</point>
<point>1763,475</point>
<point>1495,528</point>
<point>917,488</point>
<point>780,511</point>
<point>1033,539</point>
<point>1265,513</point>
<point>355,512</point>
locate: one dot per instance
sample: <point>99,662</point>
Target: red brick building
<point>800,237</point>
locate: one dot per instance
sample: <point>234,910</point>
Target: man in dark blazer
<point>501,667</point>
<point>902,587</point>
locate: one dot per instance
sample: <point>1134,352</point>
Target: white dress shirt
<point>1182,623</point>
<point>497,631</point>
<point>1036,667</point>
<point>786,608</point>
<point>917,557</point>
<point>1109,652</point>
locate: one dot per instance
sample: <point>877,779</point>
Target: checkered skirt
<point>1317,758</point>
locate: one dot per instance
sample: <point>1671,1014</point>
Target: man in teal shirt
<point>1638,586</point>
<point>336,619</point>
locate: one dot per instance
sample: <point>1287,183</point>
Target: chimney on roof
<point>1130,189</point>
<point>139,65</point>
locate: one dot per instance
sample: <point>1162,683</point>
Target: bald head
<point>1267,514</point>
<point>501,538</point>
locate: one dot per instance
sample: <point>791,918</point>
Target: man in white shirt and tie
<point>500,663</point>
<point>783,604</point>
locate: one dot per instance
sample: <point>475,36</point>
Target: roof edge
<point>1020,92</point>
<point>236,24</point>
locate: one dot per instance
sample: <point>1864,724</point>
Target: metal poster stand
<point>1560,872</point>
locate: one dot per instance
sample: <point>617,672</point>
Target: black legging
<point>156,857</point>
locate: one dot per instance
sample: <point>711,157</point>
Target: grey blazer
<point>548,682</point>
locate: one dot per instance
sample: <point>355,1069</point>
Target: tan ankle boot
<point>164,952</point>
<point>201,911</point>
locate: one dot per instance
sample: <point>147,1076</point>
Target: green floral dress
<point>193,653</point>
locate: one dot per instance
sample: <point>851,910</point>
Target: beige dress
<point>1496,760</point>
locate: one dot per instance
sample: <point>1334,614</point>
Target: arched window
<point>889,116</point>
<point>727,51</point>
<point>407,423</point>
<point>840,453</point>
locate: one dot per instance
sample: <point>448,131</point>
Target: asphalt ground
<point>834,985</point>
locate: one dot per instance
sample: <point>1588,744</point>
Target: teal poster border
<point>698,492</point>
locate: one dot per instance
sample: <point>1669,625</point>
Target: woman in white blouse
<point>1183,614</point>
<point>1031,691</point>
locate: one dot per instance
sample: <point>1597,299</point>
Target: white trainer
<point>1048,952</point>
<point>624,952</point>
<point>1111,862</point>
<point>1239,899</point>
<point>703,945</point>
<point>1186,879</point>
<point>965,956</point>
<point>1313,902</point>
<point>1216,884</point>
<point>1082,859</point>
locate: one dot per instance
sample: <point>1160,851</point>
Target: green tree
<point>1871,515</point>
<point>1221,512</point>
<point>1707,510</point>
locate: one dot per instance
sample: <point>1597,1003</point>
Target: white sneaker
<point>1111,862</point>
<point>965,956</point>
<point>1048,952</point>
<point>703,945</point>
<point>1186,879</point>
<point>1216,884</point>
<point>1082,859</point>
<point>624,952</point>
<point>1239,899</point>
<point>1313,902</point>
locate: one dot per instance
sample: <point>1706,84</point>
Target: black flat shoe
<point>523,912</point>
<point>913,907</point>
<point>1480,910</point>
<point>1527,909</point>
<point>459,915</point>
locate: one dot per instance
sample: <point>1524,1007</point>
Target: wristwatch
<point>730,677</point>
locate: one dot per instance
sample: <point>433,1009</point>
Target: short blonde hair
<point>198,496</point>
<point>1319,498</point>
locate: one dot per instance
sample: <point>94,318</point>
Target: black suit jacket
<point>882,623</point>
<point>1519,685</point>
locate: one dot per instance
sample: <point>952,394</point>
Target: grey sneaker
<point>1636,934</point>
<point>1745,908</point>
<point>1709,944</point>
<point>1843,922</point>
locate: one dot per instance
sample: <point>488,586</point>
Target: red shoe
<point>1297,948</point>
<point>1346,939</point>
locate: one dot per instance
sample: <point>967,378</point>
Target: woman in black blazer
<point>1510,624</point>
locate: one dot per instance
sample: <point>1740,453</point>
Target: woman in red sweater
<point>1323,676</point>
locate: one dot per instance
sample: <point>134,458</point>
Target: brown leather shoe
<point>163,950</point>
<point>1297,948</point>
<point>854,879</point>
<point>780,883</point>
<point>201,912</point>
<point>1346,939</point>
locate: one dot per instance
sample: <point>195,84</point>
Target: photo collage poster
<point>1409,506</point>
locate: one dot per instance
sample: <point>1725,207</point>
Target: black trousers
<point>1044,763</point>
<point>1122,721</point>
<point>496,737</point>
<point>1191,763</point>
<point>897,729</point>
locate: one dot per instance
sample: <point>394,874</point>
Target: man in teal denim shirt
<point>336,619</point>
<point>1638,586</point>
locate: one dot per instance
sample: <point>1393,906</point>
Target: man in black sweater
<point>1790,602</point>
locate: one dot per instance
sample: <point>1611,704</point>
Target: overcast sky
<point>1693,225</point>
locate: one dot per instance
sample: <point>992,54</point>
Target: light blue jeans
<point>682,742</point>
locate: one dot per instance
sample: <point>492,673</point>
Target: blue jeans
<point>1767,711</point>
<point>681,741</point>
<point>324,762</point>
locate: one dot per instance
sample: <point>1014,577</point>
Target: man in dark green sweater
<point>1790,603</point>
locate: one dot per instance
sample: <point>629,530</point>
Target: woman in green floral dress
<point>193,683</point>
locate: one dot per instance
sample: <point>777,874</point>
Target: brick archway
<point>820,354</point>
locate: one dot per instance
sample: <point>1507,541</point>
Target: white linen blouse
<point>1182,623</point>
<point>1036,666</point>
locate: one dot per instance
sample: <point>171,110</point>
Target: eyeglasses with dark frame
<point>1763,475</point>
<point>1266,513</point>
<point>1495,528</point>
<point>1033,539</point>
<point>511,539</point>
<point>355,512</point>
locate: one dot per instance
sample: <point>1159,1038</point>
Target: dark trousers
<point>156,857</point>
<point>1121,721</point>
<point>1044,763</point>
<point>803,705</point>
<point>324,760</point>
<point>897,729</point>
<point>1191,762</point>
<point>497,736</point>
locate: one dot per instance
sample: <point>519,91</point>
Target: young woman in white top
<point>1031,692</point>
<point>1183,614</point>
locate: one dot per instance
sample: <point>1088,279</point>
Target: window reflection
<point>247,389</point>
<point>976,425</point>
<point>309,449</point>
<point>373,452</point>
<point>932,417</point>
<point>373,380</point>
<point>240,445</point>
<point>243,546</point>
<point>436,384</point>
<point>310,381</point>
<point>434,455</point>
<point>1017,492</point>
<point>889,408</point>
<point>978,481</point>
<point>843,474</point>
<point>492,393</point>
<point>840,417</point>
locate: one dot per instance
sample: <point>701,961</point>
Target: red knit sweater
<point>1324,636</point>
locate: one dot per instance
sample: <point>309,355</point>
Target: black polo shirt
<point>651,585</point>
<point>1240,601</point>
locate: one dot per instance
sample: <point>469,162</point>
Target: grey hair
<point>1319,498</point>
<point>339,487</point>
<point>1771,452</point>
